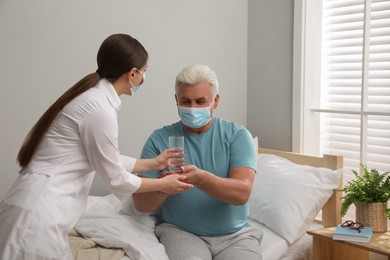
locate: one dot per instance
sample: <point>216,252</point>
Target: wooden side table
<point>325,248</point>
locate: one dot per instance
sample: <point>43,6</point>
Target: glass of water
<point>176,141</point>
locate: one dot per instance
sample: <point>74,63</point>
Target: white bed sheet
<point>272,246</point>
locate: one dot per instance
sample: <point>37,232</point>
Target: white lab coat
<point>49,195</point>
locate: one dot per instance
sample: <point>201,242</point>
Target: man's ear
<point>216,101</point>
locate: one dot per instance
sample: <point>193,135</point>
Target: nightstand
<point>325,248</point>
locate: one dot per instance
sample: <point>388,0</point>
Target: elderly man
<point>210,221</point>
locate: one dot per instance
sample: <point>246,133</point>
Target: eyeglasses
<point>353,225</point>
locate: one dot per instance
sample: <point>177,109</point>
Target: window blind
<point>355,83</point>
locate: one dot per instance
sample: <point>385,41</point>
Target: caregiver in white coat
<point>74,139</point>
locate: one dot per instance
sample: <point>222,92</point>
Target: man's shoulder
<point>227,124</point>
<point>170,127</point>
<point>166,130</point>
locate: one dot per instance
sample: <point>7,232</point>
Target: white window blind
<point>355,83</point>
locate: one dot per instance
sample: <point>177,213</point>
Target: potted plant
<point>369,192</point>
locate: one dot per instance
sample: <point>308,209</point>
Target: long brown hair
<point>118,54</point>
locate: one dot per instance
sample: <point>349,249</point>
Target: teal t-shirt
<point>223,146</point>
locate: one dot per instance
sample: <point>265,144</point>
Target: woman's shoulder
<point>91,102</point>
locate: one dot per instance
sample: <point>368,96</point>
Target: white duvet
<point>111,223</point>
<point>114,224</point>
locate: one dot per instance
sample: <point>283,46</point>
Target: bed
<point>292,193</point>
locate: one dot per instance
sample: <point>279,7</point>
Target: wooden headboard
<point>331,215</point>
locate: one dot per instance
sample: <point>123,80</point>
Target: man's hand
<point>194,174</point>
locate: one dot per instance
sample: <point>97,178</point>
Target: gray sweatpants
<point>180,244</point>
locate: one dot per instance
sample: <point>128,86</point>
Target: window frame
<point>306,50</point>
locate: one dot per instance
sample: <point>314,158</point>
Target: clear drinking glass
<point>174,142</point>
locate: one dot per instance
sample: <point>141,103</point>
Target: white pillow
<point>256,143</point>
<point>286,197</point>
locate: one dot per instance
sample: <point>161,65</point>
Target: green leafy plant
<point>369,186</point>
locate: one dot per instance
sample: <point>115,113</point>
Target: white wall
<point>46,46</point>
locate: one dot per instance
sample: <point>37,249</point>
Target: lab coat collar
<point>111,94</point>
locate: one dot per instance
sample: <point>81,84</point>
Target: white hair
<point>196,73</point>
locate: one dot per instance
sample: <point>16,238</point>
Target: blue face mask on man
<point>195,117</point>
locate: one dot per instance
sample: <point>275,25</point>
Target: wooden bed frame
<point>331,215</point>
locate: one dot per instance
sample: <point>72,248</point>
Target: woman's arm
<point>170,184</point>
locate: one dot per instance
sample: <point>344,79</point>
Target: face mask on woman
<point>133,88</point>
<point>195,117</point>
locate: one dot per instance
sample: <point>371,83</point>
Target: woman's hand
<point>173,183</point>
<point>162,161</point>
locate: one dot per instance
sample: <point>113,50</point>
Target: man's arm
<point>149,201</point>
<point>235,189</point>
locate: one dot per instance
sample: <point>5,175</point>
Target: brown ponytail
<point>118,54</point>
<point>36,134</point>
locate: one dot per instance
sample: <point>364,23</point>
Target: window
<point>342,81</point>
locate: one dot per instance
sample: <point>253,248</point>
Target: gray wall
<point>46,46</point>
<point>270,53</point>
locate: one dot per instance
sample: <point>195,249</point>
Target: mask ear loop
<point>131,89</point>
<point>132,85</point>
<point>143,75</point>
